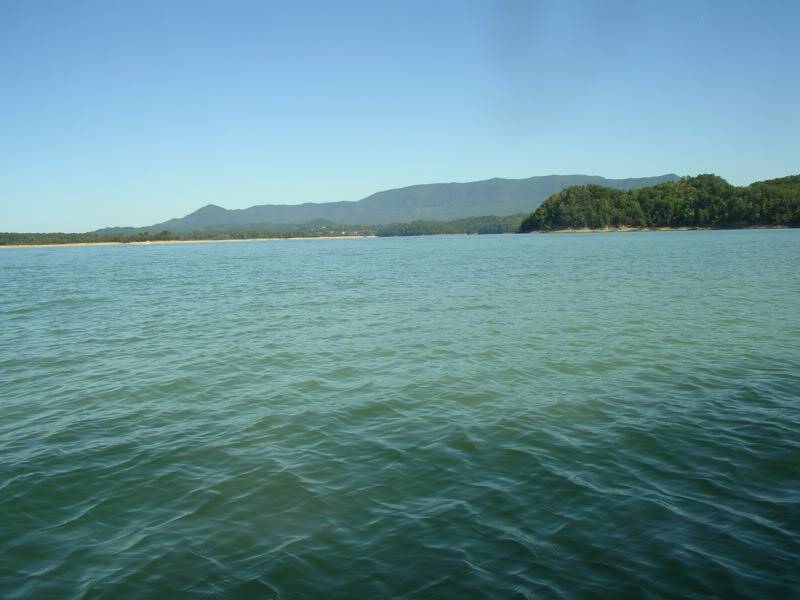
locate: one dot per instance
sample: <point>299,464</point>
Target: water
<point>538,416</point>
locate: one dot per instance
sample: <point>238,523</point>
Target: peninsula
<point>704,201</point>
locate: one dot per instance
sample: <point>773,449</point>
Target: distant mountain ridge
<point>434,201</point>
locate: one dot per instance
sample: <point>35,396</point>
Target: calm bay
<point>499,416</point>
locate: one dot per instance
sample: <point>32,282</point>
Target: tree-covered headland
<point>701,201</point>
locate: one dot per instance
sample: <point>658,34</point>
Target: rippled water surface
<point>536,416</point>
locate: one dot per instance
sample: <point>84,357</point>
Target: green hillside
<point>701,201</point>
<point>426,202</point>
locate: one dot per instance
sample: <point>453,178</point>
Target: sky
<point>131,113</point>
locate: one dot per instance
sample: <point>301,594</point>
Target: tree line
<point>476,225</point>
<point>233,233</point>
<point>473,225</point>
<point>701,201</point>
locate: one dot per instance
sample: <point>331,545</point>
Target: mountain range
<point>435,201</point>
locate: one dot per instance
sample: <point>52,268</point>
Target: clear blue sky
<point>129,113</point>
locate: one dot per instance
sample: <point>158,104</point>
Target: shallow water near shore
<point>537,416</point>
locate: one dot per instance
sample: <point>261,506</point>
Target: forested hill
<point>436,201</point>
<point>701,201</point>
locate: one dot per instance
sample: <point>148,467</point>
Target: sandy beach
<point>80,244</point>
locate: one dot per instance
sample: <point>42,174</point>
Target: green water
<point>544,416</point>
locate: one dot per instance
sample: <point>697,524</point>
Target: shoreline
<point>624,229</point>
<point>358,237</point>
<point>163,242</point>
